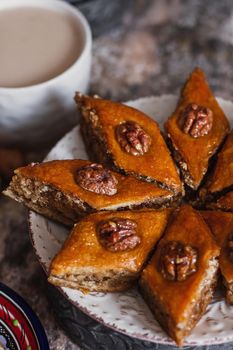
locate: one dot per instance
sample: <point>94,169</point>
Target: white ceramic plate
<point>127,312</point>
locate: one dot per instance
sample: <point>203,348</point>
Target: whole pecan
<point>132,138</point>
<point>95,178</point>
<point>197,120</point>
<point>118,234</point>
<point>177,261</point>
<point>230,246</point>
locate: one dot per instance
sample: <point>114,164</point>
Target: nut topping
<point>95,178</point>
<point>197,120</point>
<point>230,246</point>
<point>118,234</point>
<point>132,138</point>
<point>177,261</point>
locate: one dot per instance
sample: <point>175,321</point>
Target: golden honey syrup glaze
<point>178,305</point>
<point>103,117</point>
<point>221,225</point>
<point>221,178</point>
<point>61,175</point>
<point>52,189</point>
<point>196,152</point>
<point>225,203</point>
<point>84,263</point>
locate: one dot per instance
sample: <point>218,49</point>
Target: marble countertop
<point>150,53</point>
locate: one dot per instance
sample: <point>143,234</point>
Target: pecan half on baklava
<point>107,251</point>
<point>179,280</point>
<point>128,141</point>
<point>65,190</point>
<point>196,129</point>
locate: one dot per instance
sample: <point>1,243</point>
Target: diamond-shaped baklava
<point>179,280</point>
<point>65,190</point>
<point>106,251</point>
<point>196,129</point>
<point>127,140</point>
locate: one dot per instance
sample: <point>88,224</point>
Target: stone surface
<point>151,53</point>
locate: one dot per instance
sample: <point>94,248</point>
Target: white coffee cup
<point>36,115</point>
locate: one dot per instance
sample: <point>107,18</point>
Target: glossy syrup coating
<point>83,249</point>
<point>221,225</point>
<point>222,175</point>
<point>61,175</point>
<point>196,152</point>
<point>188,227</point>
<point>225,202</point>
<point>156,163</point>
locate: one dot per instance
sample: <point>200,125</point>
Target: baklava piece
<point>196,129</point>
<point>106,252</point>
<point>179,281</point>
<point>217,192</point>
<point>221,225</point>
<point>128,141</point>
<point>65,190</point>
<point>224,202</point>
